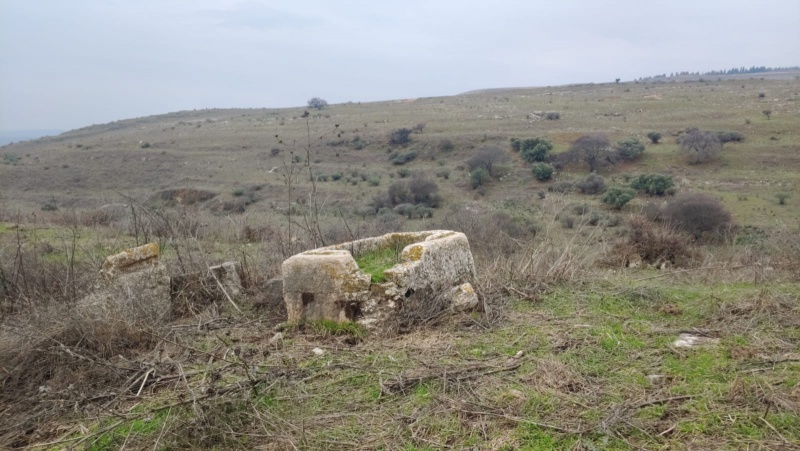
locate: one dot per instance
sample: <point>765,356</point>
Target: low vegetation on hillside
<point>605,221</point>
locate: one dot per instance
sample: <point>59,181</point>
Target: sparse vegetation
<point>573,347</point>
<point>535,150</point>
<point>593,184</point>
<point>654,137</point>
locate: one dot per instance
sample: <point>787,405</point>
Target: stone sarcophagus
<point>382,282</point>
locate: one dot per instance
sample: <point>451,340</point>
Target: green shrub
<point>653,184</point>
<point>782,198</point>
<point>478,177</point>
<point>654,137</point>
<point>617,197</point>
<point>630,149</point>
<point>374,180</point>
<point>403,172</point>
<point>238,192</point>
<point>536,149</point>
<point>542,172</point>
<point>552,115</point>
<point>337,176</point>
<point>516,144</point>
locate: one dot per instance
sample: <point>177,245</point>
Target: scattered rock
<point>687,340</point>
<point>193,292</point>
<point>318,351</point>
<point>278,337</point>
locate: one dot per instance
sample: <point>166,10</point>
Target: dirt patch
<point>183,196</point>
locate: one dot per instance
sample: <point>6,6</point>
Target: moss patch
<point>376,262</point>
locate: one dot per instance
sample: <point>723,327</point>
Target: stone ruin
<point>135,282</point>
<point>434,273</point>
<point>429,273</point>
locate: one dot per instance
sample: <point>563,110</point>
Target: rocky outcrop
<point>434,272</point>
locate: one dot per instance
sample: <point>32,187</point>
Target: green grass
<point>376,262</point>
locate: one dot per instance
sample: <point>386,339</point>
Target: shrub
<point>542,172</point>
<point>767,113</point>
<point>761,95</point>
<point>316,102</point>
<point>727,137</point>
<point>567,221</point>
<point>374,180</point>
<point>782,198</point>
<point>594,148</point>
<point>700,146</point>
<point>337,176</point>
<point>144,144</point>
<point>552,115</point>
<point>417,191</point>
<point>478,177</point>
<point>657,243</point>
<point>238,192</point>
<point>561,187</point>
<point>536,149</point>
<point>403,172</point>
<point>629,149</point>
<point>445,145</point>
<point>399,136</point>
<point>418,128</point>
<point>653,184</point>
<point>654,137</point>
<point>617,197</point>
<point>399,159</point>
<point>593,184</point>
<point>444,173</point>
<point>488,158</point>
<point>516,144</point>
<point>698,214</point>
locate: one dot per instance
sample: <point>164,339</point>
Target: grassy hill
<point>582,304</point>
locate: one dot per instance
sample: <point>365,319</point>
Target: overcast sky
<point>69,64</point>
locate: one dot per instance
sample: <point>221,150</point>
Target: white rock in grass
<point>318,351</point>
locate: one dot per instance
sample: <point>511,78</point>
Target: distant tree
<point>616,80</point>
<point>700,146</point>
<point>767,113</point>
<point>552,115</point>
<point>399,136</point>
<point>654,137</point>
<point>489,158</point>
<point>536,149</point>
<point>594,148</point>
<point>318,103</point>
<point>629,149</point>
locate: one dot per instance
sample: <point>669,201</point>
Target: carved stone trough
<point>434,272</point>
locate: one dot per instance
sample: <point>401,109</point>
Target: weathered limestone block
<point>194,291</point>
<point>434,273</point>
<point>323,284</point>
<point>130,260</point>
<point>133,283</point>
